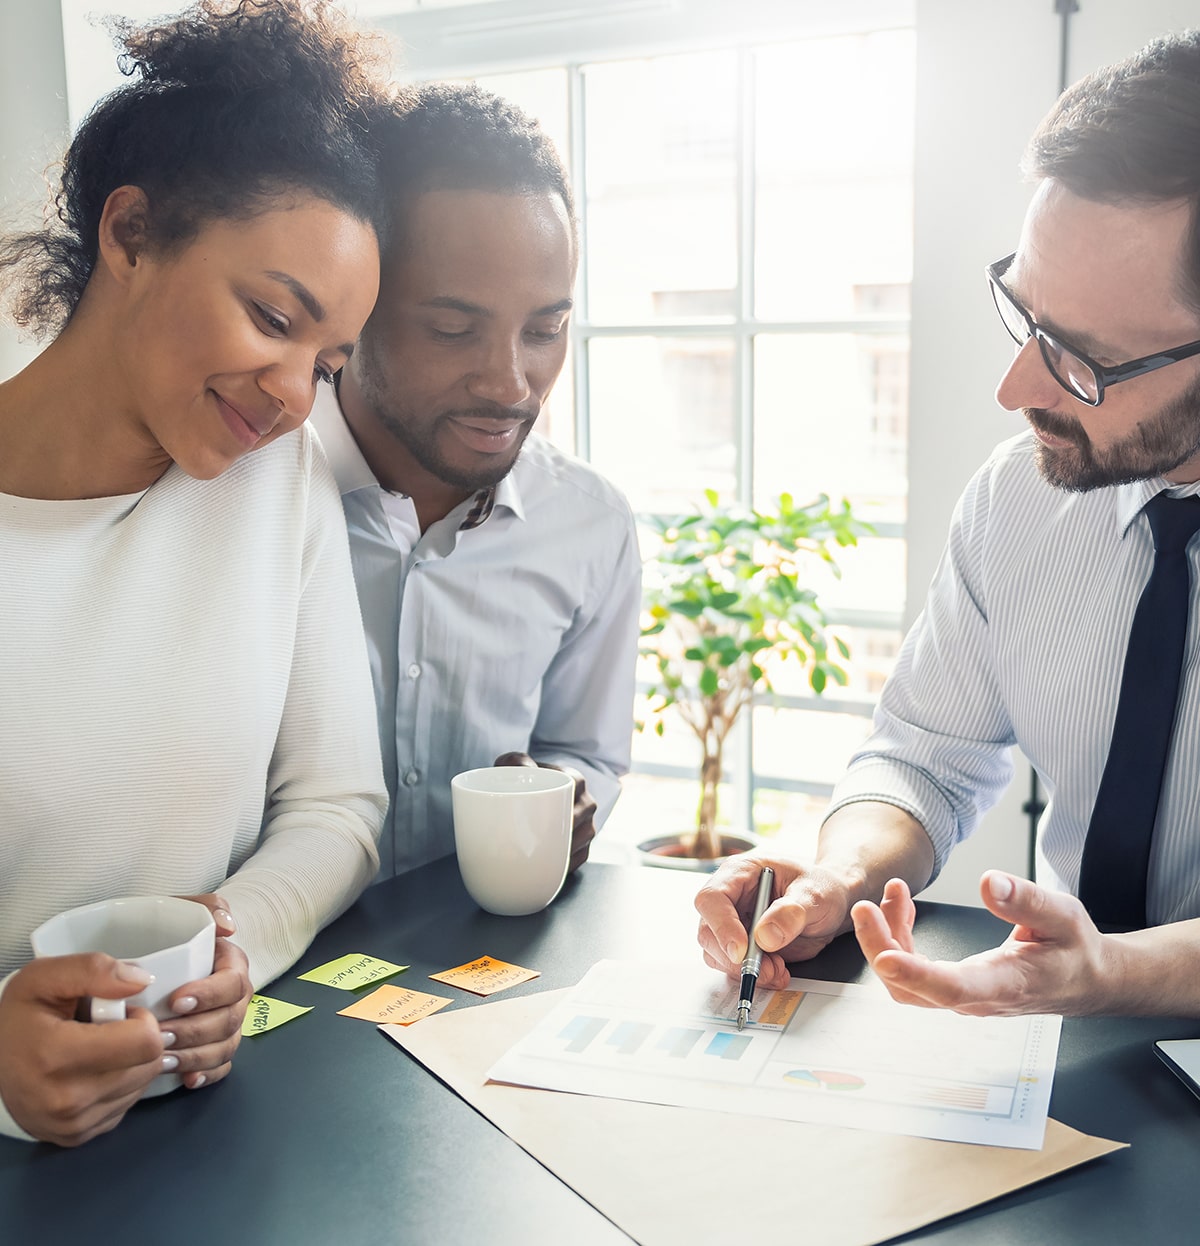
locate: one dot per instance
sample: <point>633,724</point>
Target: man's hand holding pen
<point>811,906</point>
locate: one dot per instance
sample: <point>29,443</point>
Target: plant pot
<point>666,852</point>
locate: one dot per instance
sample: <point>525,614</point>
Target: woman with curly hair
<point>185,703</point>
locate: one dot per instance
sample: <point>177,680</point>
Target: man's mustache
<point>1056,425</point>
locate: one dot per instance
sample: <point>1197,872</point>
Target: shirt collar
<point>352,472</point>
<point>350,469</point>
<point>1132,498</point>
<point>508,492</point>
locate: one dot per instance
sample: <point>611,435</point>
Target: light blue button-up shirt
<point>1022,641</point>
<point>519,634</point>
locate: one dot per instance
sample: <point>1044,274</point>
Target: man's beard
<point>1161,443</point>
<point>421,440</point>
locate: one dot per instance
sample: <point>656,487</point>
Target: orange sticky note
<point>485,976</point>
<point>395,1005</point>
<point>781,1008</point>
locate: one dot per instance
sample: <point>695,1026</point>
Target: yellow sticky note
<point>485,976</point>
<point>348,973</point>
<point>395,1005</point>
<point>265,1014</point>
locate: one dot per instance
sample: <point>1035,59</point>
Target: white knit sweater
<point>185,703</point>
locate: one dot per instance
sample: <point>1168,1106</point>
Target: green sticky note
<point>348,973</point>
<point>265,1014</point>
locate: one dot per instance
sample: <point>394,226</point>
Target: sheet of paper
<point>823,1052</point>
<point>264,1013</point>
<point>485,976</point>
<point>662,1174</point>
<point>396,1005</point>
<point>349,973</point>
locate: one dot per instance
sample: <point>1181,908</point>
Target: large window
<point>742,326</point>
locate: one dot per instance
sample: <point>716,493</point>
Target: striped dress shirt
<point>1022,642</point>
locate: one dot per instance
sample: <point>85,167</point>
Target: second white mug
<point>512,832</point>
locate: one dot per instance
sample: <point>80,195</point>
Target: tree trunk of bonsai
<point>706,843</point>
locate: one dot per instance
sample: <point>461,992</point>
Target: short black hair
<point>231,106</point>
<point>456,136</point>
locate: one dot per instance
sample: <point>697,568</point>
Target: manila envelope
<point>669,1176</point>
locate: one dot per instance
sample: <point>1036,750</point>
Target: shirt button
<point>412,778</point>
<point>414,670</point>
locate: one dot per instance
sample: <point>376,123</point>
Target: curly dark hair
<point>230,107</point>
<point>453,136</point>
<point>1130,132</point>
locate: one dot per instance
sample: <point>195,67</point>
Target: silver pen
<point>753,962</point>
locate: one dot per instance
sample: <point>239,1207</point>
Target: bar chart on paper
<point>817,1051</point>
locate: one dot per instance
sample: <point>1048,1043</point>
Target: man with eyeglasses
<point>1059,617</point>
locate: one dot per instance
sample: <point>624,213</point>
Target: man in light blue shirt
<point>1025,633</point>
<point>499,578</point>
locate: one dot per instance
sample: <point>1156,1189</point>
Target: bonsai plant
<point>725,602</point>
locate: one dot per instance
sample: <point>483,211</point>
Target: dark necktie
<point>1116,854</point>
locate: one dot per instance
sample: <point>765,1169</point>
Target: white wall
<point>33,126</point>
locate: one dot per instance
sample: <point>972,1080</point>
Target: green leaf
<point>709,682</point>
<point>817,679</point>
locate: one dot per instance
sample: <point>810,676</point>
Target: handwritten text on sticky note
<point>265,1014</point>
<point>485,976</point>
<point>395,1005</point>
<point>348,973</point>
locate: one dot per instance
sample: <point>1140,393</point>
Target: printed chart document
<point>858,1188</point>
<point>822,1052</point>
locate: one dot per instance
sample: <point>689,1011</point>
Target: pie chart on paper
<point>823,1079</point>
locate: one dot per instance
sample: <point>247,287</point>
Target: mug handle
<point>93,1008</point>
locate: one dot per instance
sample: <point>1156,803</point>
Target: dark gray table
<point>327,1133</point>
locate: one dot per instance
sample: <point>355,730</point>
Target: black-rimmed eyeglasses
<point>1081,377</point>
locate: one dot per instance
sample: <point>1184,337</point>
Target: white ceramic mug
<point>171,938</point>
<point>512,832</point>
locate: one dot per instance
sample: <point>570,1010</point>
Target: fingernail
<point>170,1064</point>
<point>185,1003</point>
<point>1001,886</point>
<point>200,1080</point>
<point>168,1039</point>
<point>768,931</point>
<point>732,952</point>
<point>128,972</point>
<point>223,918</point>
